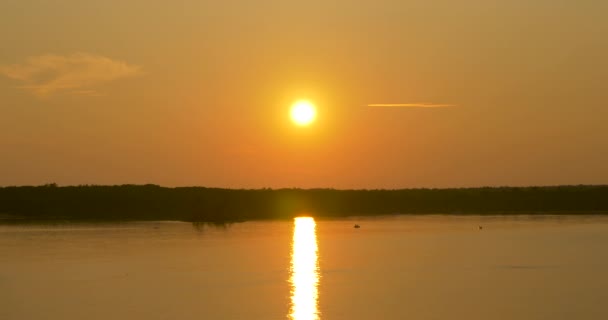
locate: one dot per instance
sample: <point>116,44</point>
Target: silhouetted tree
<point>152,202</point>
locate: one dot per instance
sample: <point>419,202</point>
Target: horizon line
<point>55,185</point>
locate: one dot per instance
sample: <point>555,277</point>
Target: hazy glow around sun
<point>303,112</point>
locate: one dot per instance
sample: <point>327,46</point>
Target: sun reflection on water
<point>304,271</point>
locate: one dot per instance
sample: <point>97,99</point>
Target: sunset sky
<point>408,93</point>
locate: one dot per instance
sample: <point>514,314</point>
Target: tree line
<point>152,202</point>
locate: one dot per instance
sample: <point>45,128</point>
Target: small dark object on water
<point>357,226</point>
<point>480,227</point>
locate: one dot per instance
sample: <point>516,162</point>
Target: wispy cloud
<point>412,105</point>
<point>73,74</point>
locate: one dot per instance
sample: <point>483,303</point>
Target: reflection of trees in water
<point>200,226</point>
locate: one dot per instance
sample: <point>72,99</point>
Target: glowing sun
<point>303,112</point>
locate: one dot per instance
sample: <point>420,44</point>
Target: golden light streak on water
<point>304,271</point>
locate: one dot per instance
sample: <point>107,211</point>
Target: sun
<point>303,112</point>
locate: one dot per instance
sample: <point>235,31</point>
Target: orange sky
<point>198,93</point>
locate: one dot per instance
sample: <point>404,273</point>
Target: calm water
<point>408,267</point>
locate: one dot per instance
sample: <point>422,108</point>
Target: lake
<point>393,267</point>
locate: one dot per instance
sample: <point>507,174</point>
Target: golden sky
<point>409,93</point>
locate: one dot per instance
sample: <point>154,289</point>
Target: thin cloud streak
<point>73,74</point>
<point>411,105</point>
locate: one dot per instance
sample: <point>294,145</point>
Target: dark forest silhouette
<point>151,202</point>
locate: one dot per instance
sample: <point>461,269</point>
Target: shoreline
<point>60,220</point>
<point>155,203</point>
